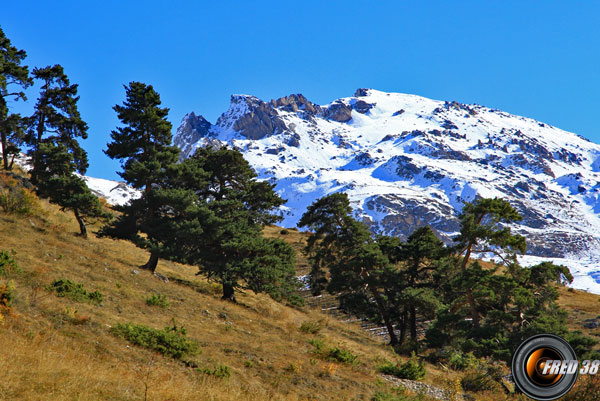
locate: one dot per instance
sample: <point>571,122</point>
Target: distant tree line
<point>486,308</point>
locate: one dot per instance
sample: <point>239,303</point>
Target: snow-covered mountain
<point>115,192</point>
<point>406,161</point>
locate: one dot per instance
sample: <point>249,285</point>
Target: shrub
<point>158,300</point>
<point>8,265</point>
<point>384,396</point>
<point>460,361</point>
<point>75,291</point>
<point>220,371</point>
<point>284,232</point>
<point>412,369</point>
<point>310,327</point>
<point>485,378</point>
<point>335,354</point>
<point>7,296</point>
<point>14,198</point>
<point>170,341</point>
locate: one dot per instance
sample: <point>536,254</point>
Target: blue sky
<point>537,59</point>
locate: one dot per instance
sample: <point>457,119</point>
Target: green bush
<point>460,361</point>
<point>335,354</point>
<point>158,300</point>
<point>413,369</point>
<point>170,341</point>
<point>220,371</point>
<point>75,291</point>
<point>8,265</point>
<point>284,232</point>
<point>310,327</point>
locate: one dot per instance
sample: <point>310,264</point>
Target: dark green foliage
<point>220,371</point>
<point>14,78</point>
<point>56,119</point>
<point>54,175</point>
<point>56,155</point>
<point>143,144</point>
<point>8,265</point>
<point>158,300</point>
<point>334,354</point>
<point>227,244</point>
<point>413,369</point>
<point>75,291</point>
<point>170,341</point>
<point>380,279</point>
<point>148,160</point>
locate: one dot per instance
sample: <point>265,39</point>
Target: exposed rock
<point>399,112</point>
<point>338,111</point>
<point>361,92</point>
<point>275,151</point>
<point>191,130</point>
<point>363,107</point>
<point>251,117</point>
<point>427,390</point>
<point>293,140</point>
<point>297,103</point>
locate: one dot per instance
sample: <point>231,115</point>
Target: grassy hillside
<point>56,348</point>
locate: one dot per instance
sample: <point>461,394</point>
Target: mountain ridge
<point>406,161</point>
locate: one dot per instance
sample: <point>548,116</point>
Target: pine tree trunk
<point>386,319</point>
<point>413,323</point>
<point>151,263</point>
<point>4,151</point>
<point>82,228</point>
<point>470,298</point>
<point>403,328</point>
<point>228,293</point>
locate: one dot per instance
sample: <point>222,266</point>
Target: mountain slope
<point>406,161</point>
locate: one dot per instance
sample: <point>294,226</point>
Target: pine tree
<point>348,262</point>
<point>231,248</point>
<point>483,230</point>
<point>12,74</point>
<point>56,155</point>
<point>144,147</point>
<point>54,175</point>
<point>56,118</point>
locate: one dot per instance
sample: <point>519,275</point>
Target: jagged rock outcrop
<point>338,111</point>
<point>192,129</point>
<point>406,161</point>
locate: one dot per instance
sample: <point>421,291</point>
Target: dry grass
<point>57,349</point>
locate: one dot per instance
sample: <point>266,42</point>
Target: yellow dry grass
<point>57,349</point>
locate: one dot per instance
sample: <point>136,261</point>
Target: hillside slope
<point>406,161</point>
<point>54,348</point>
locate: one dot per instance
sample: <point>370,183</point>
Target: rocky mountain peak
<point>406,161</point>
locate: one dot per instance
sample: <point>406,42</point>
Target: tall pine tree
<point>143,144</point>
<point>56,118</point>
<point>56,155</point>
<point>14,78</point>
<point>231,248</point>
